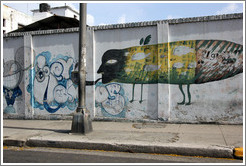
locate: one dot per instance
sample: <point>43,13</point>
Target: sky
<point>103,13</point>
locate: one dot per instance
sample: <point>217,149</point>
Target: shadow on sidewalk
<point>27,128</point>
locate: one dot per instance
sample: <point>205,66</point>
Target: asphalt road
<point>55,155</point>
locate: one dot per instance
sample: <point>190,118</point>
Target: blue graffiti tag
<point>111,99</point>
<point>53,76</point>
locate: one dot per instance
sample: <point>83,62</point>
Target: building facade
<point>13,19</point>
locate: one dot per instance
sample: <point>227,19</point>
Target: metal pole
<point>81,119</point>
<point>82,57</point>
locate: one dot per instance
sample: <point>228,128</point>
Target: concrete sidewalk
<point>206,140</point>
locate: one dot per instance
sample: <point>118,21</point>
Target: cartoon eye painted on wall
<point>40,76</point>
<point>42,73</point>
<point>111,61</point>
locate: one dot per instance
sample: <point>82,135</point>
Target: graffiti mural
<point>110,98</point>
<point>181,63</point>
<point>50,85</point>
<point>13,71</point>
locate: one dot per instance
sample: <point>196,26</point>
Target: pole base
<point>81,123</point>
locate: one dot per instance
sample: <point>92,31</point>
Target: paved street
<point>54,155</point>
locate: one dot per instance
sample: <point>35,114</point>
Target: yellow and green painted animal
<point>179,62</point>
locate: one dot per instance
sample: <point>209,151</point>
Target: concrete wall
<point>145,71</point>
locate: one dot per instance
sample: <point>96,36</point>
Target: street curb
<point>215,151</point>
<point>14,142</point>
<point>238,152</point>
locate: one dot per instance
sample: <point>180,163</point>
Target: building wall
<point>12,18</point>
<point>72,14</point>
<point>60,11</point>
<point>141,68</point>
<point>41,15</point>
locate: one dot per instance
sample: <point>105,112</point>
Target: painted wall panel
<point>53,64</point>
<point>211,101</point>
<point>13,71</point>
<point>122,98</point>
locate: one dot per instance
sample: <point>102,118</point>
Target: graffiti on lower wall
<point>111,99</point>
<point>50,83</point>
<point>181,63</point>
<point>13,71</point>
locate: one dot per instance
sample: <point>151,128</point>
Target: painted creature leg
<point>141,100</point>
<point>181,89</point>
<point>189,95</point>
<point>133,87</point>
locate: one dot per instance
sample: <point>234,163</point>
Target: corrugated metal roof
<point>53,22</point>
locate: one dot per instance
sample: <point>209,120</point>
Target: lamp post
<point>81,119</point>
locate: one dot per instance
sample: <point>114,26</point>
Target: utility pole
<point>81,119</point>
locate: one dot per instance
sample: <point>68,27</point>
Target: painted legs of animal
<point>141,99</point>
<point>188,92</point>
<point>189,95</point>
<point>133,87</point>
